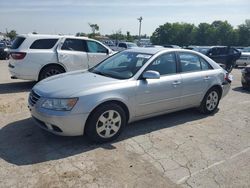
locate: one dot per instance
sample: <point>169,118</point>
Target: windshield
<point>122,65</point>
<point>246,49</point>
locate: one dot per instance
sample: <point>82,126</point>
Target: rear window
<point>43,44</point>
<point>17,42</point>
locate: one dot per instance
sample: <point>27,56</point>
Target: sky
<point>72,16</point>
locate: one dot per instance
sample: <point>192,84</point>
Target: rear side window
<point>43,44</point>
<point>205,65</point>
<point>74,45</point>
<point>189,62</point>
<point>17,42</point>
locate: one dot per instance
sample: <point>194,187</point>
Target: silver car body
<point>141,98</point>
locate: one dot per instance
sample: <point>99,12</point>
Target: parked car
<point>128,86</point>
<point>3,51</point>
<point>244,59</point>
<point>224,55</point>
<point>124,45</point>
<point>246,49</point>
<point>171,46</point>
<point>35,57</point>
<point>245,78</point>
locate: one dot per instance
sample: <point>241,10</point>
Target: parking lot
<point>183,149</point>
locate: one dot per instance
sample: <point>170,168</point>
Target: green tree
<point>12,34</point>
<point>244,34</point>
<point>94,28</point>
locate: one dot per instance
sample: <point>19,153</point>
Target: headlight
<point>59,104</point>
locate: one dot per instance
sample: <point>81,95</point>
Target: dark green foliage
<point>216,33</point>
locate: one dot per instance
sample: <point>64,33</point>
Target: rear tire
<point>210,102</point>
<point>105,123</point>
<point>50,71</point>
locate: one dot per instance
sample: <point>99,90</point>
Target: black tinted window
<point>17,42</point>
<point>189,62</point>
<point>43,44</point>
<point>165,64</point>
<point>122,45</point>
<point>74,45</point>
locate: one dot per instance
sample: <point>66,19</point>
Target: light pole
<point>140,20</point>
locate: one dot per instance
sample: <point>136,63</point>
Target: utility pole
<point>140,20</point>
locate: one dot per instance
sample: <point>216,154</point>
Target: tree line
<point>205,34</point>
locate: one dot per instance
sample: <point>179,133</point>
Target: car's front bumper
<point>58,122</point>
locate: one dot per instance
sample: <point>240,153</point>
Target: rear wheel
<point>50,71</point>
<point>210,102</point>
<point>105,123</point>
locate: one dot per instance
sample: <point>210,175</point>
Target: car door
<point>195,81</point>
<point>96,52</point>
<point>163,94</point>
<point>72,54</point>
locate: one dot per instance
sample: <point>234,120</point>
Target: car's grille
<point>33,98</point>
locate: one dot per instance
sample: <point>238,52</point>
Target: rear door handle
<point>206,78</point>
<point>175,83</point>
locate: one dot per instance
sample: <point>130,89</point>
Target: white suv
<point>35,56</point>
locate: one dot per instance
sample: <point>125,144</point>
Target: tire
<point>105,123</point>
<point>210,102</point>
<point>50,71</point>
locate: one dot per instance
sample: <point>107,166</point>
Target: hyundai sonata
<point>128,86</point>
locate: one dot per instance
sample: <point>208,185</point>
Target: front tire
<point>210,102</point>
<point>105,123</point>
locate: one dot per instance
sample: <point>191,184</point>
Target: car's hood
<point>68,84</point>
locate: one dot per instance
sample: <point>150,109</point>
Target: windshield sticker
<point>145,56</point>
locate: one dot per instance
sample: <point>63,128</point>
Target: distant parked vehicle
<point>244,59</point>
<point>245,78</point>
<point>4,54</point>
<point>35,57</point>
<point>131,85</point>
<point>246,49</point>
<point>124,45</point>
<point>171,46</point>
<point>224,55</point>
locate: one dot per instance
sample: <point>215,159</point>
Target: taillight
<point>18,55</point>
<point>229,77</point>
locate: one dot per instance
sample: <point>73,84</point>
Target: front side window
<point>74,45</point>
<point>43,44</point>
<point>122,65</point>
<point>165,64</point>
<point>94,47</point>
<point>189,62</point>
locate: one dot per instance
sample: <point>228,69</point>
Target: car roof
<point>38,36</point>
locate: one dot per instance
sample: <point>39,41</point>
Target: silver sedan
<point>128,86</point>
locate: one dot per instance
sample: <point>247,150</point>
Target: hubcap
<point>108,124</point>
<point>212,100</point>
<point>52,72</point>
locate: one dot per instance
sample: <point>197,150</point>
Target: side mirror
<point>151,75</point>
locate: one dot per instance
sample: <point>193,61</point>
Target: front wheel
<point>210,102</point>
<point>105,123</point>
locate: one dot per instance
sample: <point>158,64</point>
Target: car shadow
<point>24,143</point>
<point>16,87</point>
<point>241,89</point>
